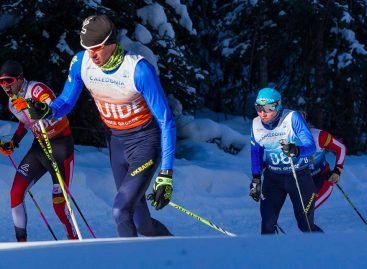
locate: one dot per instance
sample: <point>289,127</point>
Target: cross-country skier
<point>323,177</point>
<point>35,163</point>
<point>141,127</point>
<point>277,136</point>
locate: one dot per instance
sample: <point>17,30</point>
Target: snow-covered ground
<point>207,181</point>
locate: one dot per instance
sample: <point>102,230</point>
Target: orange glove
<point>20,104</point>
<point>7,148</point>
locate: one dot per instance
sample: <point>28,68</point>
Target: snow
<point>142,34</point>
<point>210,183</point>
<point>155,16</point>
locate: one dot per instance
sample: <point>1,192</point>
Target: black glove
<point>38,110</point>
<point>162,191</point>
<point>289,149</point>
<point>335,174</point>
<point>255,188</point>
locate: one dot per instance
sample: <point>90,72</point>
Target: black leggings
<point>134,158</point>
<point>275,189</point>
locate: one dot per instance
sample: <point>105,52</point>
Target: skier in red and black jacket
<point>323,177</point>
<point>35,163</point>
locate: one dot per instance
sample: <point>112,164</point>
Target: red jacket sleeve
<point>329,142</point>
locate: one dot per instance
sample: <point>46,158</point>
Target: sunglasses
<point>6,82</point>
<point>266,108</point>
<point>96,49</point>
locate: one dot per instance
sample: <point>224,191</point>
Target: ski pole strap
<point>205,221</point>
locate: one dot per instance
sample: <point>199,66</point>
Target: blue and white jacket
<point>266,150</point>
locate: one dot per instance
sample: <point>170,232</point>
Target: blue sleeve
<point>147,83</point>
<point>257,153</point>
<point>66,101</point>
<point>301,130</point>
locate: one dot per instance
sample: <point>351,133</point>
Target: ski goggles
<point>267,107</point>
<point>8,81</point>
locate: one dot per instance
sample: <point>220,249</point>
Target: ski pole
<point>81,214</point>
<point>299,192</point>
<point>68,191</point>
<point>72,198</point>
<point>36,204</point>
<point>58,175</point>
<point>207,222</point>
<point>280,229</point>
<point>284,142</point>
<point>42,215</point>
<point>350,202</point>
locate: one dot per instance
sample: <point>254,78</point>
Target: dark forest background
<point>312,51</point>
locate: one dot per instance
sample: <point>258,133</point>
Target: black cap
<point>97,30</point>
<point>11,69</point>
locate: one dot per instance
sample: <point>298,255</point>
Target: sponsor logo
<point>44,97</point>
<point>22,172</point>
<point>142,167</point>
<point>119,123</point>
<point>122,111</point>
<point>310,203</point>
<point>272,134</point>
<point>37,91</point>
<point>23,169</point>
<point>47,123</point>
<point>58,200</point>
<point>106,80</point>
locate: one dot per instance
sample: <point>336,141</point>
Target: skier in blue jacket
<point>141,128</point>
<point>278,136</point>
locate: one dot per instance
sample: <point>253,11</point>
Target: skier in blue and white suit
<point>277,135</point>
<point>141,127</point>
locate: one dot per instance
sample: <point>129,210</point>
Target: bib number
<point>279,158</point>
<point>276,159</point>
